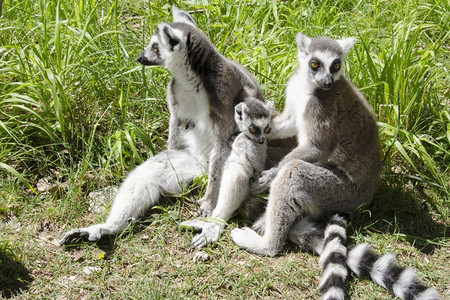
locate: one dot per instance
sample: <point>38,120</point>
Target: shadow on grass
<point>107,243</point>
<point>14,277</point>
<point>404,213</point>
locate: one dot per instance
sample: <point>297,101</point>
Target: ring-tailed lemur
<point>202,93</point>
<point>245,163</point>
<point>334,169</point>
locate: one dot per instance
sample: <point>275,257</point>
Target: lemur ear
<point>182,16</point>
<point>347,44</point>
<point>269,106</point>
<point>302,43</point>
<point>171,36</point>
<point>241,109</point>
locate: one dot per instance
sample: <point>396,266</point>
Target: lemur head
<point>253,119</point>
<point>322,58</point>
<point>169,40</point>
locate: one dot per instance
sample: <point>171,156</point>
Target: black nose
<point>140,58</point>
<point>328,82</point>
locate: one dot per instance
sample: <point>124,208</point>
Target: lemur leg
<point>165,173</point>
<point>300,188</point>
<point>218,157</point>
<point>234,189</point>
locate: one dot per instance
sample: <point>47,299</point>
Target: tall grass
<point>70,83</point>
<point>77,107</point>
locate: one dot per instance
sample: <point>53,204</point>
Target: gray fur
<point>336,165</point>
<point>201,95</point>
<point>245,163</point>
<point>334,169</point>
<point>223,82</point>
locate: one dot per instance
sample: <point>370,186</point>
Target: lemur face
<point>324,69</point>
<point>322,58</point>
<point>169,41</point>
<point>254,120</point>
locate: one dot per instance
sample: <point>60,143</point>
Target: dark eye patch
<point>314,64</point>
<point>155,48</point>
<point>254,129</point>
<point>335,66</point>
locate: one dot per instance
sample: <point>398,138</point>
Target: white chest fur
<point>298,92</point>
<point>193,106</point>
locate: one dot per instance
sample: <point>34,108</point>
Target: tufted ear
<point>269,106</point>
<point>182,16</point>
<point>347,44</point>
<point>302,43</point>
<point>241,110</point>
<point>171,37</point>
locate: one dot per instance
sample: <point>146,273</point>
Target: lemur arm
<point>174,133</point>
<point>220,152</point>
<point>316,147</point>
<point>282,126</point>
<point>175,141</point>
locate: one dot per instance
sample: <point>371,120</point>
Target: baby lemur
<point>334,169</point>
<point>245,163</point>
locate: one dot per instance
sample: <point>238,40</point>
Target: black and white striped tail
<point>384,270</point>
<point>333,259</point>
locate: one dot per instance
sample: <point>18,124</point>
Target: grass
<point>77,113</point>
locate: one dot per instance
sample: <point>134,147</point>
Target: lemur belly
<point>193,106</point>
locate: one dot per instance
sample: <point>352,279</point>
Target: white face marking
<point>253,128</point>
<point>321,66</point>
<point>261,123</point>
<point>162,50</point>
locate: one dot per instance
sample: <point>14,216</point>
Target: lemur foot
<point>245,238</point>
<point>260,225</point>
<point>210,231</point>
<point>91,234</point>
<point>251,241</point>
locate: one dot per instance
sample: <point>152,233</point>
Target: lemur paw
<point>260,225</point>
<point>196,224</point>
<point>77,234</point>
<point>205,210</point>
<point>92,233</point>
<point>262,184</point>
<point>210,231</point>
<point>245,237</point>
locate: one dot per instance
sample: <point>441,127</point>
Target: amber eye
<point>155,48</point>
<point>336,66</point>
<point>252,130</point>
<point>267,129</point>
<point>314,65</point>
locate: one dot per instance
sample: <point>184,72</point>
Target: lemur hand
<point>205,209</point>
<point>210,231</point>
<point>263,183</point>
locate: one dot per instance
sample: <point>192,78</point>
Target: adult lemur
<point>334,169</point>
<point>202,93</point>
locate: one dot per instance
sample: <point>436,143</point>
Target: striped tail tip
<point>384,270</point>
